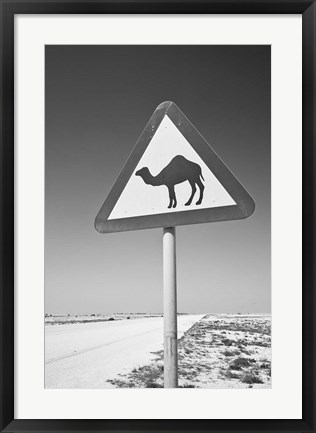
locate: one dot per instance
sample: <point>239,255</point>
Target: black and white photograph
<point>158,216</point>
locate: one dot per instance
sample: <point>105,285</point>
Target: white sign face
<point>168,144</point>
<point>172,177</point>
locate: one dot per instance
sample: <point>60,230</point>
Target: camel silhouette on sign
<point>177,171</point>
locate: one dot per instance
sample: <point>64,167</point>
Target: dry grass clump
<point>231,352</point>
<point>250,378</point>
<point>240,363</point>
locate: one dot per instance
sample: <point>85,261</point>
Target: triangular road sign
<point>172,177</point>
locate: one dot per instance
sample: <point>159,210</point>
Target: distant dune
<point>63,319</point>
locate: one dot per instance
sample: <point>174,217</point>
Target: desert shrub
<point>231,352</point>
<point>151,384</point>
<point>250,378</point>
<point>231,375</point>
<point>239,363</point>
<point>245,351</point>
<point>263,343</point>
<point>206,366</point>
<point>227,341</point>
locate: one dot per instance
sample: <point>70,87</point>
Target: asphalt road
<point>87,355</point>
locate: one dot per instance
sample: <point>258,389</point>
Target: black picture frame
<point>8,11</point>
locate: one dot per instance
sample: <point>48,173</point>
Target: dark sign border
<point>244,207</point>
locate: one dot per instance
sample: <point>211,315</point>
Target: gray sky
<point>98,100</point>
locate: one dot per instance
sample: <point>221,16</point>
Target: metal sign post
<point>170,308</point>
